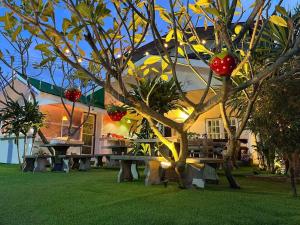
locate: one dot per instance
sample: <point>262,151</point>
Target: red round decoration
<point>223,64</point>
<point>73,94</point>
<point>115,116</point>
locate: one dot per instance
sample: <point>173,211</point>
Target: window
<point>215,128</point>
<point>56,122</point>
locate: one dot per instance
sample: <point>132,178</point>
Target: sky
<point>35,55</point>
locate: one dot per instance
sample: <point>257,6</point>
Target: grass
<point>94,197</point>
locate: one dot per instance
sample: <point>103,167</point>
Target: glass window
<point>213,128</point>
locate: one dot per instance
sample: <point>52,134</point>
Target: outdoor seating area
<point>149,112</point>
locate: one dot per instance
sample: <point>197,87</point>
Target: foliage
<point>162,96</point>
<point>20,118</point>
<point>276,117</point>
<point>115,108</point>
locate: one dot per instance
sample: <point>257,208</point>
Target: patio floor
<point>95,198</point>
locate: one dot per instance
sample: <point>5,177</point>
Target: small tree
<point>276,119</point>
<point>19,118</point>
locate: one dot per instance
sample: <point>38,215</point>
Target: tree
<point>276,119</point>
<point>114,33</point>
<point>19,119</point>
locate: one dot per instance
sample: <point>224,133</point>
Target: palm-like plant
<point>19,119</point>
<point>162,96</point>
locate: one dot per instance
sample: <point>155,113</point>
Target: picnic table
<point>60,162</point>
<point>198,169</point>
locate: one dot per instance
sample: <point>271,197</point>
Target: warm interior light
<point>67,51</point>
<point>146,53</point>
<point>183,115</point>
<point>166,45</point>
<point>203,42</point>
<point>165,165</point>
<point>181,43</point>
<point>80,60</point>
<point>64,118</point>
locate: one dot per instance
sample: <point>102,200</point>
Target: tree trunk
<point>24,150</point>
<point>292,162</point>
<point>45,141</point>
<point>18,151</point>
<point>228,163</point>
<point>180,166</point>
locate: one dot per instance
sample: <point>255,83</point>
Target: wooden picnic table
<point>59,162</point>
<point>198,169</point>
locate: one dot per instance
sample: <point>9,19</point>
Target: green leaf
<point>66,24</point>
<point>164,77</point>
<point>84,10</point>
<point>15,33</point>
<point>152,60</point>
<point>281,10</point>
<point>213,11</point>
<point>169,35</point>
<point>43,48</point>
<point>180,51</point>
<point>46,60</point>
<point>201,48</point>
<point>279,21</point>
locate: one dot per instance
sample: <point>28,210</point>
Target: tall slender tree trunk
<point>292,162</point>
<point>18,151</point>
<point>180,166</point>
<point>24,150</point>
<point>228,163</point>
<point>45,141</point>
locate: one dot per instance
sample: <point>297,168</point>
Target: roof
<point>97,97</point>
<point>152,47</point>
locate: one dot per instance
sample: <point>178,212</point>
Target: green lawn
<point>94,197</point>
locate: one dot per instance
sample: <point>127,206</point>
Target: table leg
<point>195,176</point>
<point>85,164</point>
<point>153,172</point>
<point>58,164</point>
<point>29,164</point>
<point>135,171</point>
<point>99,162</point>
<point>76,163</point>
<point>40,165</point>
<point>66,163</point>
<point>125,173</point>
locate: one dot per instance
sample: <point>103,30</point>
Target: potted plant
<point>116,112</point>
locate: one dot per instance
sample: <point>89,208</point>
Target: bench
<point>99,158</point>
<point>79,162</point>
<point>36,163</point>
<point>198,169</point>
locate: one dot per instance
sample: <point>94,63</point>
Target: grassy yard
<point>94,197</point>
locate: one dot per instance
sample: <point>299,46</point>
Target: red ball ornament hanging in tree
<point>73,94</point>
<point>115,112</point>
<point>223,64</point>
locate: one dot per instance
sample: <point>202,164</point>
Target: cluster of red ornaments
<point>223,64</point>
<point>117,116</point>
<point>73,94</point>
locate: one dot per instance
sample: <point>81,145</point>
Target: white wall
<point>8,149</point>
